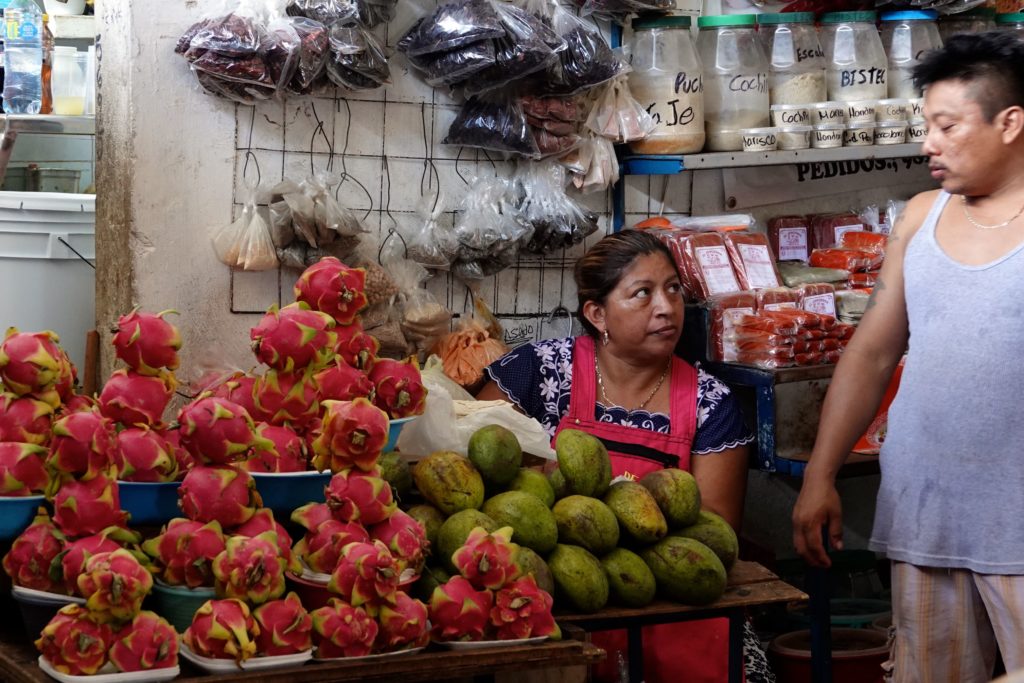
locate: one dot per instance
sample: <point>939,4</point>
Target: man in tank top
<point>950,510</point>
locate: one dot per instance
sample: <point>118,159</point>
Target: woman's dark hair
<point>991,63</point>
<point>598,271</point>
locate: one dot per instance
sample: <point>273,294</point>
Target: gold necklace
<point>963,202</point>
<point>609,402</point>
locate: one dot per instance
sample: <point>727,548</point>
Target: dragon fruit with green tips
<point>32,554</point>
<point>398,387</point>
<point>32,363</point>
<point>83,446</point>
<point>131,398</point>
<point>311,515</point>
<point>221,493</point>
<point>460,612</point>
<point>114,585</point>
<point>185,550</point>
<point>78,552</point>
<point>88,507</point>
<point>357,496</point>
<point>340,381</point>
<point>144,455</point>
<point>322,548</point>
<point>74,643</point>
<point>24,419</point>
<point>285,452</point>
<point>367,574</point>
<point>486,560</point>
<point>251,569</point>
<point>405,538</point>
<point>264,521</point>
<point>23,469</point>
<point>145,643</point>
<point>353,434</point>
<point>287,397</point>
<point>286,628</point>
<point>216,431</point>
<point>146,342</point>
<point>294,337</point>
<point>341,630</point>
<point>79,403</point>
<point>333,288</point>
<point>239,388</point>
<point>184,459</point>
<point>223,629</point>
<point>522,610</point>
<point>67,381</point>
<point>357,348</point>
<point>403,624</point>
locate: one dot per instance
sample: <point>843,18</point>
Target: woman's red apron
<point>694,651</point>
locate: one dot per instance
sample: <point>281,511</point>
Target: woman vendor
<point>622,383</point>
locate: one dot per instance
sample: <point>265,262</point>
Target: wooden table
<point>749,585</point>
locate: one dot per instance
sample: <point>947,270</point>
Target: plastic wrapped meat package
<point>864,240</point>
<point>818,298</point>
<point>777,299</point>
<point>766,323</point>
<point>790,238</point>
<point>853,260</point>
<point>795,274</point>
<point>707,261</point>
<point>725,310</point>
<point>752,259</point>
<point>827,229</point>
<point>862,280</point>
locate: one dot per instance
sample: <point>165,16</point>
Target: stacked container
<point>906,37</point>
<point>855,60</point>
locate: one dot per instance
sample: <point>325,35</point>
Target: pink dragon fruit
<point>353,434</point>
<point>22,469</point>
<point>357,496</point>
<point>33,552</point>
<point>334,288</point>
<point>366,575</point>
<point>251,569</point>
<point>486,560</point>
<point>32,363</point>
<point>83,446</point>
<point>131,398</point>
<point>287,397</point>
<point>293,337</point>
<point>185,551</point>
<point>405,538</point>
<point>114,585</point>
<point>321,549</point>
<point>286,454</point>
<point>73,643</point>
<point>146,342</point>
<point>221,493</point>
<point>522,610</point>
<point>357,348</point>
<point>341,630</point>
<point>223,629</point>
<point>264,521</point>
<point>184,459</point>
<point>24,419</point>
<point>77,553</point>
<point>67,383</point>
<point>311,515</point>
<point>403,624</point>
<point>142,454</point>
<point>217,431</point>
<point>285,627</point>
<point>460,612</point>
<point>339,381</point>
<point>88,507</point>
<point>398,387</point>
<point>80,403</point>
<point>238,388</point>
<point>146,642</point>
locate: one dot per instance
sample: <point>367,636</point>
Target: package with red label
<point>674,240</point>
<point>768,357</point>
<point>862,239</point>
<point>827,229</point>
<point>862,280</point>
<point>846,259</point>
<point>752,260</point>
<point>790,238</point>
<point>708,262</point>
<point>777,299</point>
<point>819,297</point>
<point>829,345</point>
<point>725,311</point>
<point>752,324</point>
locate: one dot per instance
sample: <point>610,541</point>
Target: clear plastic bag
<point>558,222</point>
<point>527,46</point>
<point>431,244</point>
<point>423,318</point>
<point>455,66</point>
<point>618,116</point>
<point>282,230</point>
<point>372,13</point>
<point>593,164</point>
<point>452,25</point>
<point>245,243</point>
<point>497,125</point>
<point>587,60</point>
<point>312,54</point>
<point>357,60</point>
<point>553,122</point>
<point>327,12</point>
<point>490,228</point>
<point>620,10</point>
<point>330,218</point>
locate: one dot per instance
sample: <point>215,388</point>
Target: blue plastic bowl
<point>178,604</point>
<point>16,513</point>
<point>283,492</point>
<point>150,502</point>
<point>395,429</point>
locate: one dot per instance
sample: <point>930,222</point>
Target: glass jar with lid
<point>667,81</point>
<point>977,20</point>
<point>906,36</point>
<point>735,79</point>
<point>1011,22</point>
<point>855,61</point>
<point>795,58</point>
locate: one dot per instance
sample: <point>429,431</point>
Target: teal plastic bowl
<point>178,604</point>
<point>848,612</point>
<point>283,492</point>
<point>16,513</point>
<point>150,502</point>
<point>395,429</point>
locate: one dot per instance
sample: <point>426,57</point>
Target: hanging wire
<point>392,230</point>
<point>319,130</point>
<point>76,252</point>
<point>345,175</point>
<point>249,156</point>
<point>429,168</point>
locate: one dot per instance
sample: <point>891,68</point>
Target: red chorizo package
<point>804,320</point>
<point>842,331</point>
<point>674,239</point>
<point>749,341</point>
<point>818,298</point>
<point>753,324</point>
<point>725,311</point>
<point>809,358</point>
<point>862,280</point>
<point>777,299</point>
<point>768,357</point>
<point>832,357</point>
<point>709,264</point>
<point>752,259</point>
<point>789,237</point>
<point>827,230</point>
<point>846,259</point>
<point>862,239</point>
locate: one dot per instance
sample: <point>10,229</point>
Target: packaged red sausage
<point>803,319</point>
<point>827,229</point>
<point>819,297</point>
<point>846,259</point>
<point>768,358</point>
<point>777,299</point>
<point>754,342</point>
<point>752,260</point>
<point>674,239</point>
<point>862,280</point>
<point>752,324</point>
<point>843,331</point>
<point>862,239</point>
<point>812,335</point>
<point>809,358</point>
<point>832,357</point>
<point>709,264</point>
<point>725,311</point>
<point>789,237</point>
<point>829,345</point>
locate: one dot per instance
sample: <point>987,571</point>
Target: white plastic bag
<point>245,243</point>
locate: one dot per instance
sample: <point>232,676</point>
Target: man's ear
<point>594,313</point>
<point>1011,122</point>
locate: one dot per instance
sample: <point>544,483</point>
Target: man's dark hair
<point>991,63</point>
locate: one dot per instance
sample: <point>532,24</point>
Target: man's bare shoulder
<point>913,216</point>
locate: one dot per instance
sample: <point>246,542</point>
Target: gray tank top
<point>952,491</point>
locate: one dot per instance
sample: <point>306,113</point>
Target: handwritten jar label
<point>861,135</point>
<point>827,137</point>
<point>788,115</point>
<point>893,134</point>
<point>917,131</point>
<point>759,141</point>
<point>860,112</point>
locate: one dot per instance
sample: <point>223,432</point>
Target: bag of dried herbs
<point>557,220</point>
<point>357,60</point>
<point>496,124</point>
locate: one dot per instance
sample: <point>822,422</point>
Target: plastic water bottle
<point>23,57</point>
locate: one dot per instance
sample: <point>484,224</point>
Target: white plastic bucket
<point>44,285</point>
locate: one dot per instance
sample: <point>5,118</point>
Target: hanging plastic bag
<point>558,222</point>
<point>423,318</point>
<point>452,25</point>
<point>311,57</point>
<point>330,218</point>
<point>493,124</point>
<point>593,164</point>
<point>553,122</point>
<point>245,243</point>
<point>431,243</point>
<point>619,11</point>
<point>490,228</point>
<point>618,116</point>
<point>455,66</point>
<point>282,230</point>
<point>357,60</point>
<point>587,60</point>
<point>527,47</point>
<point>327,12</point>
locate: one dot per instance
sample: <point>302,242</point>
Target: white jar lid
<point>767,130</point>
<point>828,105</point>
<point>795,129</point>
<point>890,124</point>
<point>893,102</point>
<point>830,126</point>
<point>789,107</point>
<point>861,126</point>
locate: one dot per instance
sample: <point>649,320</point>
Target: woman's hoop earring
<point>604,338</point>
